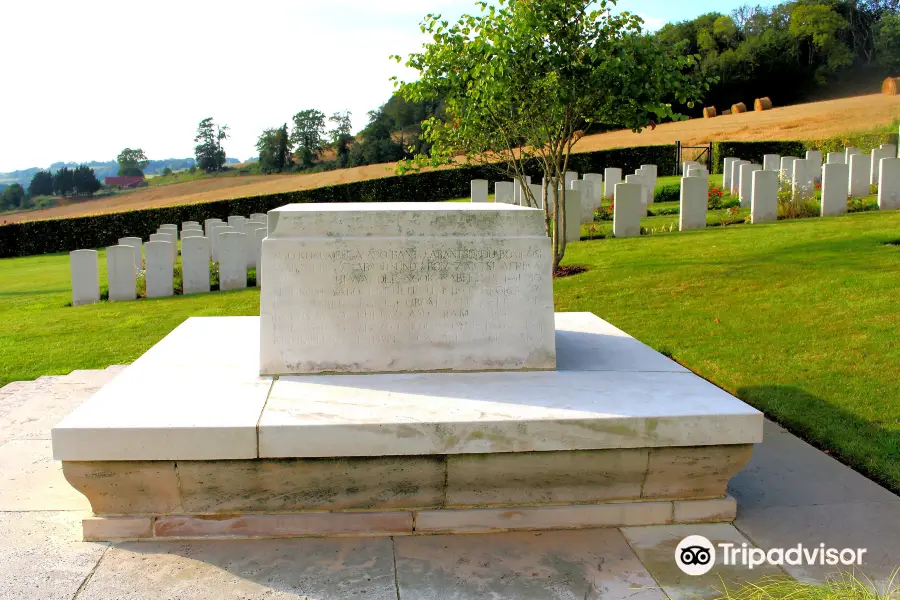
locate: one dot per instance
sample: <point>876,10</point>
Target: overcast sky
<point>82,80</point>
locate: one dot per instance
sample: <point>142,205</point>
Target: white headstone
<point>138,246</point>
<point>687,165</point>
<point>653,172</point>
<point>836,158</point>
<point>586,194</point>
<point>627,209</point>
<point>237,222</point>
<point>537,191</point>
<point>876,156</point>
<point>170,230</point>
<point>159,276</point>
<point>120,274</point>
<point>848,152</point>
<point>188,233</point>
<point>891,149</point>
<point>692,212</point>
<point>481,301</point>
<point>889,184</point>
<point>217,237</point>
<point>800,187</point>
<point>573,215</point>
<point>208,223</point>
<point>195,265</point>
<point>570,176</point>
<point>85,273</point>
<point>166,237</point>
<point>835,183</point>
<point>259,234</point>
<point>259,217</point>
<point>726,172</point>
<point>232,261</point>
<point>503,192</point>
<point>814,165</point>
<point>479,190</point>
<point>764,196</point>
<point>169,226</point>
<point>859,174</point>
<point>612,176</point>
<point>190,225</point>
<point>746,183</point>
<point>771,162</point>
<point>787,169</point>
<point>736,175</point>
<point>551,195</point>
<point>647,178</point>
<point>638,180</point>
<point>213,236</point>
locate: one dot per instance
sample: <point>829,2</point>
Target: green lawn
<point>800,318</point>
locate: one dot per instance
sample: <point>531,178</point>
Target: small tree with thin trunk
<point>523,81</point>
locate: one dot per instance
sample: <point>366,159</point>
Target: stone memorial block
<point>159,276</point>
<point>85,274</point>
<point>814,165</point>
<point>570,176</point>
<point>800,187</point>
<point>503,192</point>
<point>259,234</point>
<point>726,172</point>
<point>537,191</point>
<point>188,233</point>
<point>479,190</point>
<point>586,210</point>
<point>860,165</point>
<point>259,217</point>
<point>232,261</point>
<point>787,169</point>
<point>874,168</point>
<point>166,237</point>
<point>848,152</point>
<point>612,176</point>
<point>217,237</point>
<point>627,209</point>
<point>190,225</point>
<point>551,195</point>
<point>120,274</point>
<point>652,172</point>
<point>638,180</point>
<point>597,187</point>
<point>889,184</point>
<point>746,182</point>
<point>168,226</point>
<point>736,175</point>
<point>138,246</point>
<point>696,172</point>
<point>764,196</point>
<point>404,286</point>
<point>195,265</point>
<point>835,158</point>
<point>891,149</point>
<point>170,229</point>
<point>694,195</point>
<point>687,165</point>
<point>771,162</point>
<point>835,183</point>
<point>573,215</point>
<point>647,180</point>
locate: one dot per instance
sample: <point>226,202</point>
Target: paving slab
<point>320,569</point>
<point>791,493</point>
<point>655,547</point>
<point>42,555</point>
<point>584,565</point>
<point>31,480</point>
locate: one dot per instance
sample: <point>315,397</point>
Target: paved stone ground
<point>789,494</point>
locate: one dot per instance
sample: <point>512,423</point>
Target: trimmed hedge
<point>63,235</point>
<point>754,151</point>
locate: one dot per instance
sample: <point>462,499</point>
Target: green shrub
<point>795,207</point>
<point>856,204</point>
<point>62,235</point>
<point>668,193</point>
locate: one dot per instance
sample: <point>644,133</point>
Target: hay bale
<point>740,107</point>
<point>709,112</point>
<point>726,112</point>
<point>761,104</point>
<point>890,86</point>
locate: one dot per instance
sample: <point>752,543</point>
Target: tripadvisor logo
<point>696,555</point>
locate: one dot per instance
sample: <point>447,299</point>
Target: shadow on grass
<point>866,447</point>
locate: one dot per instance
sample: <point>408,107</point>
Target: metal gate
<point>705,156</point>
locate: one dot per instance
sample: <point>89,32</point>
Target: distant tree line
<point>793,51</point>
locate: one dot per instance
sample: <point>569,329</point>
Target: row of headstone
<point>238,245</point>
<point>845,174</point>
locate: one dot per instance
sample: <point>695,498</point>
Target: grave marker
<point>159,275</point>
<point>694,195</point>
<point>627,209</point>
<point>166,237</point>
<point>764,196</point>
<point>726,172</point>
<point>835,183</point>
<point>503,192</point>
<point>120,274</point>
<point>889,184</point>
<point>137,244</point>
<point>835,158</point>
<point>771,162</point>
<point>260,234</point>
<point>195,265</point>
<point>85,274</point>
<point>800,187</point>
<point>232,260</point>
<point>479,190</point>
<point>859,174</point>
<point>746,182</point>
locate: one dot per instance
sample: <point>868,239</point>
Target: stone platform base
<point>408,522</point>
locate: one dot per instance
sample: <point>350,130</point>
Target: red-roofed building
<point>125,182</point>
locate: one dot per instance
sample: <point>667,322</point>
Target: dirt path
<point>801,122</point>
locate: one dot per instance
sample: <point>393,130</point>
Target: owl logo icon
<point>695,555</point>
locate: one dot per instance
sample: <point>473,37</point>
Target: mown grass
<point>798,318</point>
<point>845,586</point>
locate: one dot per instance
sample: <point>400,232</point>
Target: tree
<point>308,134</point>
<point>166,171</point>
<point>274,150</point>
<point>209,152</point>
<point>41,184</point>
<point>84,181</point>
<point>132,162</point>
<point>341,135</point>
<point>63,182</point>
<point>887,42</point>
<point>13,197</point>
<point>819,26</point>
<point>523,81</point>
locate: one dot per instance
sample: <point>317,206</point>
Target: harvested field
<point>800,122</point>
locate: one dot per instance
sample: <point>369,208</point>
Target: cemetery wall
<point>64,235</point>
